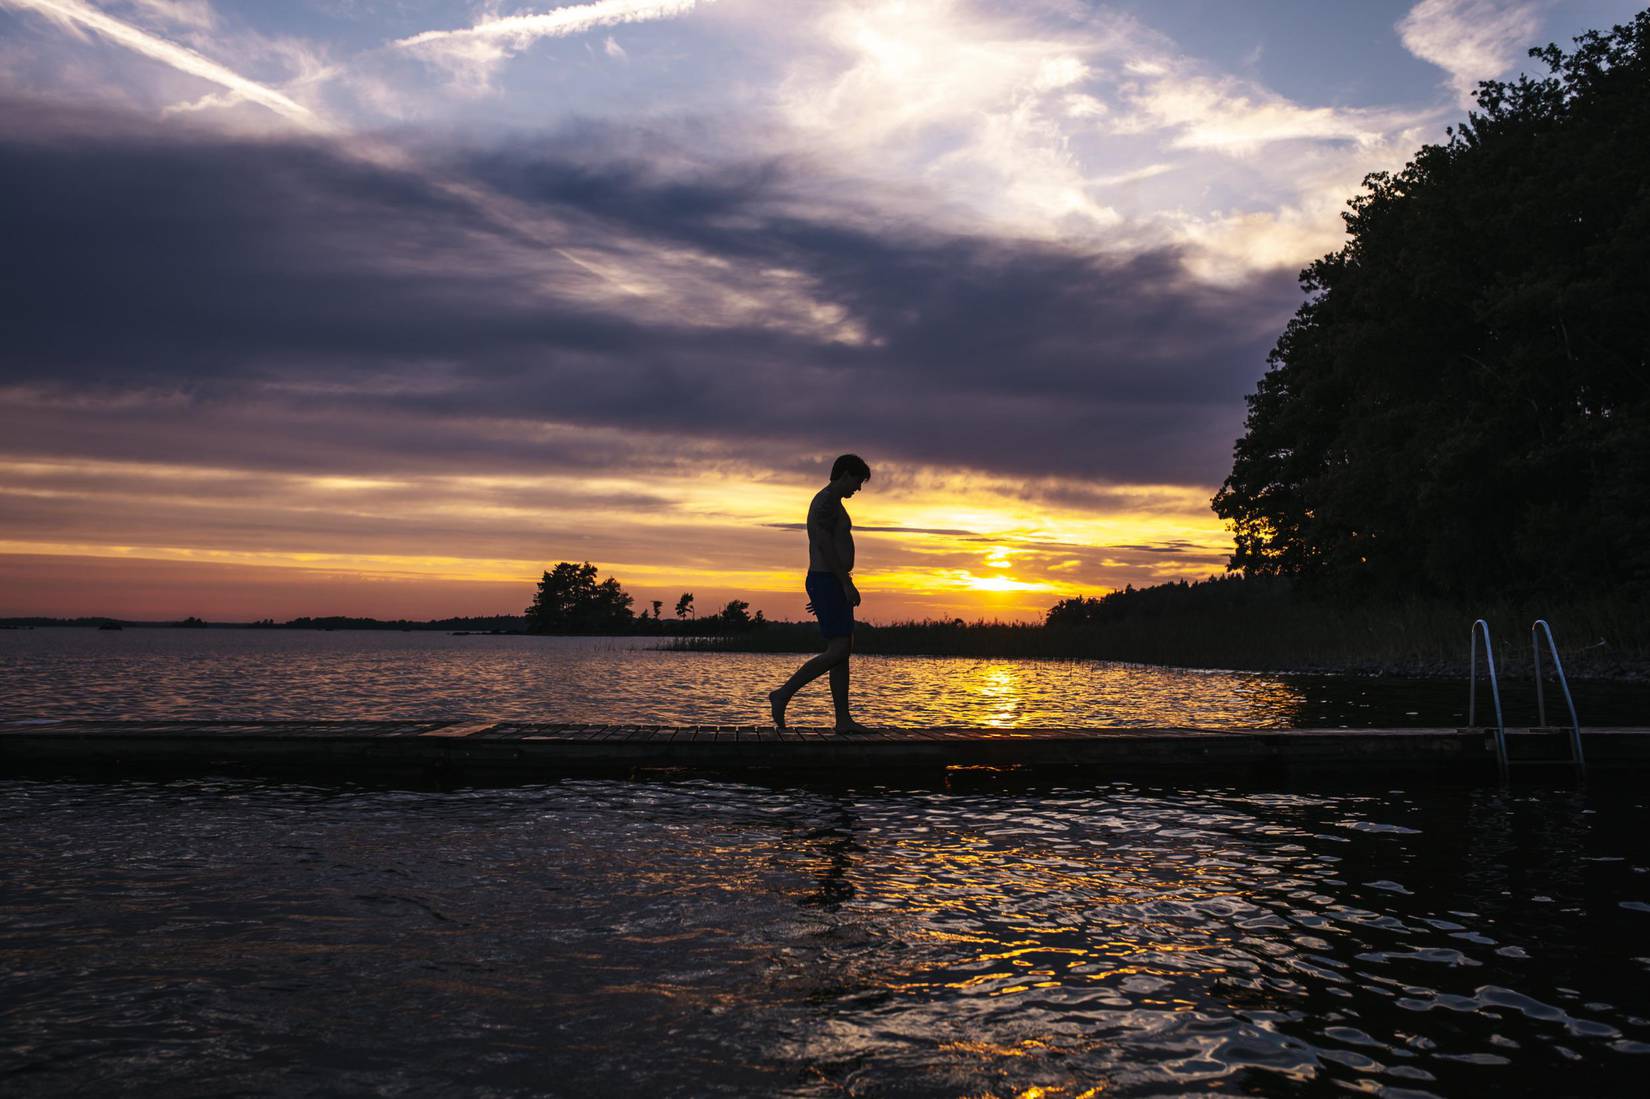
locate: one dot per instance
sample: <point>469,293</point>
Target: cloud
<point>1076,125</point>
<point>1225,115</point>
<point>369,318</point>
<point>1048,121</point>
<point>209,101</point>
<point>1472,40</point>
<point>77,17</point>
<point>471,54</point>
<point>979,107</point>
<point>182,13</point>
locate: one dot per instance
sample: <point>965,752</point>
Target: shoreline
<point>798,639</point>
<point>1169,645</point>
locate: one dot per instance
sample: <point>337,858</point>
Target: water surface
<point>171,673</point>
<point>714,938</point>
<point>977,935</point>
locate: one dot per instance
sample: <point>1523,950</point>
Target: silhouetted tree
<point>657,605</point>
<point>736,615</point>
<point>1464,401</point>
<point>569,600</point>
<point>684,605</point>
<point>1077,611</point>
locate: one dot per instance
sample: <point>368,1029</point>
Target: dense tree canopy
<point>1463,403</point>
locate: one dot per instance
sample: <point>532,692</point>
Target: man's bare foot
<point>849,725</point>
<point>776,706</point>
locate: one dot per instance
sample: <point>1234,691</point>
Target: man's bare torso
<point>830,531</point>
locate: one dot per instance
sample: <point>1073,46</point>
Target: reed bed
<point>1604,639</point>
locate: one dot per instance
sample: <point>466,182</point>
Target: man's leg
<point>839,687</point>
<point>836,652</point>
<point>845,722</point>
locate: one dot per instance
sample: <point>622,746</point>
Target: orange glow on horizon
<point>931,543</point>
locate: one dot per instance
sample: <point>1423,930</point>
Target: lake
<point>974,937</point>
<point>973,934</point>
<point>371,674</point>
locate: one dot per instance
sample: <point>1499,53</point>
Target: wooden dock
<point>524,750</point>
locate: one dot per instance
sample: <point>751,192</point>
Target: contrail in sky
<point>517,31</point>
<point>75,14</point>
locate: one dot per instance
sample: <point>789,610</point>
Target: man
<point>830,586</point>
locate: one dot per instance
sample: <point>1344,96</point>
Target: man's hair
<point>850,463</point>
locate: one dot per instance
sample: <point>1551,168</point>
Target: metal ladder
<point>1538,629</point>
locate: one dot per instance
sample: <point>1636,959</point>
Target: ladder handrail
<point>1495,691</point>
<point>1537,628</point>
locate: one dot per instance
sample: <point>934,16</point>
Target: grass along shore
<point>1597,639</point>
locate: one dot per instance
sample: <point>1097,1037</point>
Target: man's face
<point>851,484</point>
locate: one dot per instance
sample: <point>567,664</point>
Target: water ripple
<point>700,938</point>
<point>173,673</point>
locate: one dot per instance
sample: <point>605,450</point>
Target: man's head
<point>848,473</point>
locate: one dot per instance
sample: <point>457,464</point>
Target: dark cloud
<point>966,535</point>
<point>368,316</point>
<point>364,523</point>
<point>1172,546</point>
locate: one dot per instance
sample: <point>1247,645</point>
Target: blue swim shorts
<point>836,617</point>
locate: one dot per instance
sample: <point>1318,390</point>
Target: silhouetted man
<point>831,591</point>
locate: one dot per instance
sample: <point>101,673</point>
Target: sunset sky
<point>380,308</point>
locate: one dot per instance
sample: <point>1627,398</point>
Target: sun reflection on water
<point>1000,693</point>
<point>1021,694</point>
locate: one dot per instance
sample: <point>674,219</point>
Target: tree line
<point>1462,405</point>
<point>1225,594</point>
<point>571,600</point>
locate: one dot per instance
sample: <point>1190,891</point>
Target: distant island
<point>506,623</point>
<point>480,624</point>
<point>569,600</point>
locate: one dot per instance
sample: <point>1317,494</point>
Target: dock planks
<point>505,748</point>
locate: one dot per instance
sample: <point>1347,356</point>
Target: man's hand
<point>851,592</point>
